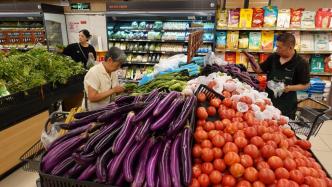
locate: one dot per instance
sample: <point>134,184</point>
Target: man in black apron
<point>288,67</point>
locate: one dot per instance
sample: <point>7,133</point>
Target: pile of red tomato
<point>239,150</point>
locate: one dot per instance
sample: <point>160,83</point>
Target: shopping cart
<point>310,117</point>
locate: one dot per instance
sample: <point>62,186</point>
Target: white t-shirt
<point>101,81</point>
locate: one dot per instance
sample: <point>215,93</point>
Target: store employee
<point>81,51</point>
<point>288,67</point>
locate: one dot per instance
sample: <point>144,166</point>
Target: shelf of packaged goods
<point>274,29</point>
<point>163,30</point>
<point>321,74</point>
<point>161,52</point>
<point>160,41</point>
<point>269,51</point>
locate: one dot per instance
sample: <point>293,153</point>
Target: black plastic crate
<point>10,100</point>
<point>210,93</point>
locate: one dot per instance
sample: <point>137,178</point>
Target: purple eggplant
<point>168,116</point>
<point>164,103</point>
<point>151,95</point>
<point>122,110</point>
<point>144,156</point>
<point>118,159</point>
<point>164,171</point>
<point>101,165</point>
<point>148,109</point>
<point>85,120</point>
<point>81,115</point>
<point>124,99</point>
<point>56,155</point>
<point>120,180</point>
<point>180,122</point>
<point>102,133</point>
<point>123,135</point>
<point>88,173</point>
<point>130,158</point>
<point>186,156</point>
<point>70,134</point>
<point>62,167</point>
<point>144,130</point>
<point>106,141</point>
<point>75,171</point>
<point>84,159</point>
<point>152,163</point>
<point>175,163</point>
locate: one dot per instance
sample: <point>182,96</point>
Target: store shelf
<point>139,63</point>
<point>163,30</point>
<point>275,29</point>
<point>269,51</point>
<point>161,52</point>
<point>160,41</point>
<point>321,74</point>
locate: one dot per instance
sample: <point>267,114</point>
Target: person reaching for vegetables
<point>80,52</point>
<point>285,67</point>
<point>101,81</point>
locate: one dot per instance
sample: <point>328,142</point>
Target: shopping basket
<point>32,157</point>
<point>309,120</point>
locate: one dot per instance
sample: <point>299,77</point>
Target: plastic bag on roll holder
<point>276,87</point>
<point>48,137</point>
<point>211,59</point>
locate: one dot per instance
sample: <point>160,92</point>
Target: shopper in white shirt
<point>101,81</point>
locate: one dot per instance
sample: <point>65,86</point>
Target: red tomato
<point>227,102</point>
<point>196,170</point>
<point>266,176</point>
<point>305,171</point>
<point>215,177</point>
<point>300,161</point>
<point>230,147</point>
<point>194,183</point>
<point>272,143</point>
<point>281,153</point>
<point>207,167</point>
<point>267,101</point>
<point>239,133</point>
<point>200,135</point>
<point>243,183</point>
<point>257,141</point>
<point>197,151</point>
<point>201,97</point>
<point>228,180</point>
<point>288,132</point>
<point>261,165</point>
<point>231,158</point>
<point>246,99</point>
<point>217,152</point>
<point>250,132</point>
<point>215,102</point>
<point>204,180</point>
<point>228,137</point>
<point>212,84</point>
<point>219,125</point>
<point>219,164</point>
<point>267,151</point>
<point>218,140</point>
<point>212,133</point>
<point>200,122</point>
<point>261,105</point>
<point>304,144</point>
<point>289,164</point>
<point>282,121</point>
<point>261,130</point>
<point>251,174</point>
<point>207,154</point>
<point>258,184</point>
<point>296,176</point>
<point>237,170</point>
<point>206,144</point>
<point>226,122</point>
<point>246,160</point>
<point>209,126</point>
<point>251,150</point>
<point>201,113</point>
<point>231,128</point>
<point>283,183</point>
<point>241,142</point>
<point>211,111</point>
<point>275,162</point>
<point>283,144</point>
<point>281,173</point>
<point>226,94</point>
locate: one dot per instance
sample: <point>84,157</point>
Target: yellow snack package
<point>267,40</point>
<point>245,17</point>
<point>232,40</point>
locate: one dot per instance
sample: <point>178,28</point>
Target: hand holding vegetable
<point>252,59</point>
<point>118,89</point>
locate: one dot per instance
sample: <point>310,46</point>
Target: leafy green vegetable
<point>20,71</point>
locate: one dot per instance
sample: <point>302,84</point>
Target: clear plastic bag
<point>276,87</point>
<point>91,61</point>
<point>48,137</point>
<point>242,107</point>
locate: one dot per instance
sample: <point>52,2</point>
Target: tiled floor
<point>321,146</point>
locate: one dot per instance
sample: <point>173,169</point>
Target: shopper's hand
<point>118,89</point>
<point>287,89</point>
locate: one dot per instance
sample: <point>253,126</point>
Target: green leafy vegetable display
<point>20,71</point>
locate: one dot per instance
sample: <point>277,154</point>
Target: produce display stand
<point>309,120</point>
<point>22,105</point>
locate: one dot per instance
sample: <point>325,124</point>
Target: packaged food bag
<point>233,17</point>
<point>296,16</point>
<point>232,39</point>
<point>307,41</point>
<point>257,18</point>
<point>323,18</point>
<point>221,40</point>
<point>308,19</point>
<point>283,18</point>
<point>328,64</point>
<point>321,42</point>
<point>244,40</point>
<point>270,16</point>
<point>230,57</point>
<point>317,64</point>
<point>222,18</point>
<point>245,17</point>
<point>255,42</point>
<point>267,40</point>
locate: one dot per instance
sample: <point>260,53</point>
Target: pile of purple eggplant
<point>135,140</point>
